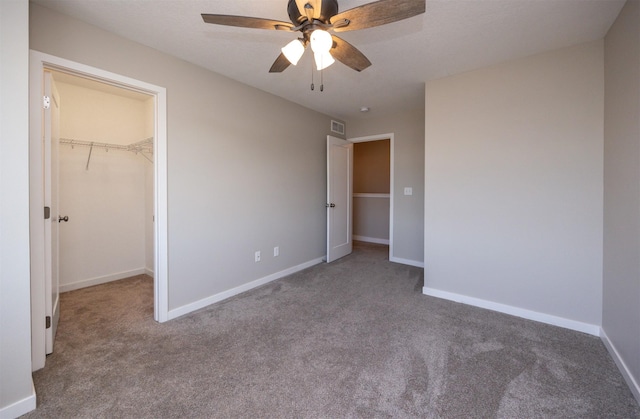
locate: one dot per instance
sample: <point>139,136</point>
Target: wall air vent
<point>337,127</point>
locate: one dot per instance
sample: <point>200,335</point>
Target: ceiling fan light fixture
<point>308,16</point>
<point>323,60</point>
<point>321,41</point>
<point>293,51</point>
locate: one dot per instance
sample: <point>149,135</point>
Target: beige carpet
<point>355,339</point>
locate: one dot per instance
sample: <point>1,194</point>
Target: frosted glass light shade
<point>293,51</point>
<point>321,41</point>
<point>323,60</point>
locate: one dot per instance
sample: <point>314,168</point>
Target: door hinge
<point>47,322</point>
<point>47,213</point>
<point>46,102</point>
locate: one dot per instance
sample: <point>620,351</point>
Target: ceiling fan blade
<point>377,13</point>
<point>349,55</point>
<point>305,7</point>
<point>300,4</point>
<point>312,11</point>
<point>246,22</point>
<point>280,64</point>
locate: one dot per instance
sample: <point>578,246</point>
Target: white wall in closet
<point>110,201</point>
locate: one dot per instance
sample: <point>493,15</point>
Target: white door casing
<point>339,198</point>
<point>38,63</point>
<point>51,137</point>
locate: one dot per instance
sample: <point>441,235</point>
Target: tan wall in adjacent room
<point>371,175</point>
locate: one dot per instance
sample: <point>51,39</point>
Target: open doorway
<point>373,189</point>
<point>39,62</point>
<point>105,182</point>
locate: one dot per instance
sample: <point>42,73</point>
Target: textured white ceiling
<point>452,37</point>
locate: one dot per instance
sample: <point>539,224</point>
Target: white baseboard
<point>20,407</point>
<point>188,308</point>
<point>634,386</point>
<point>101,280</point>
<point>590,329</point>
<point>370,240</point>
<point>149,272</point>
<point>410,262</point>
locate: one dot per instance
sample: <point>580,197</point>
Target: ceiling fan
<point>315,19</point>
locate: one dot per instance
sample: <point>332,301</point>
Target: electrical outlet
<point>276,251</point>
<point>258,256</point>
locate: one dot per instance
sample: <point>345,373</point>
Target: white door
<point>51,137</point>
<point>339,197</point>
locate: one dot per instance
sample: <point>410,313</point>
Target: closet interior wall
<point>106,193</point>
<point>371,187</point>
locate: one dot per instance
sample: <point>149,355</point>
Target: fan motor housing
<point>329,8</point>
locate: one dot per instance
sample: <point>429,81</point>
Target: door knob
<point>65,218</point>
<point>332,205</point>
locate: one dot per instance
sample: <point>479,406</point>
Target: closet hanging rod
<point>145,145</point>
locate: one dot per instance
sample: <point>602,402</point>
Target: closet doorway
<point>373,189</point>
<point>106,182</point>
<point>40,63</point>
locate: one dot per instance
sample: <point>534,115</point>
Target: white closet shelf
<point>142,147</point>
<point>371,195</point>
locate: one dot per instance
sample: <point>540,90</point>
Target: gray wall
<point>621,307</point>
<point>238,181</point>
<point>513,168</point>
<point>16,387</point>
<point>408,130</point>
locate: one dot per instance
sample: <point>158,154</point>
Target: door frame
<point>38,62</point>
<point>389,137</point>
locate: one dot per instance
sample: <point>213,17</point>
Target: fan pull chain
<point>312,86</point>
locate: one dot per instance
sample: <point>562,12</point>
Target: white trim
<point>409,262</point>
<point>391,138</point>
<point>591,329</point>
<point>161,211</point>
<point>149,272</point>
<point>20,407</point>
<point>371,195</point>
<point>197,305</point>
<point>370,240</point>
<point>38,62</point>
<point>84,283</point>
<point>368,138</point>
<point>634,386</point>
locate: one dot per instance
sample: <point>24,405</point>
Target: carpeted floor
<point>354,338</point>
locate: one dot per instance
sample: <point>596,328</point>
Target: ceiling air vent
<point>337,127</point>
